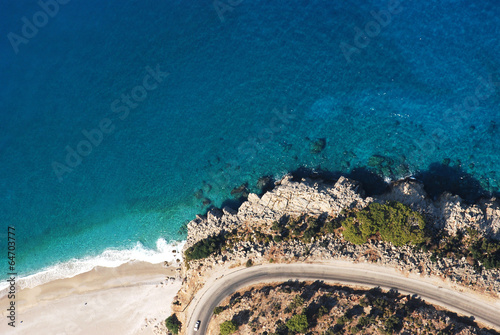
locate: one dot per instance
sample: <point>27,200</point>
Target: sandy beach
<point>133,298</point>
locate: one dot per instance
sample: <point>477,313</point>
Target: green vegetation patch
<point>298,301</point>
<point>205,247</point>
<point>486,251</point>
<point>228,327</point>
<point>393,222</point>
<point>480,252</point>
<point>390,222</point>
<point>298,323</point>
<point>173,324</point>
<point>218,310</point>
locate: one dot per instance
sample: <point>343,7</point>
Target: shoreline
<point>110,258</point>
<point>164,249</point>
<point>132,298</point>
<point>272,230</point>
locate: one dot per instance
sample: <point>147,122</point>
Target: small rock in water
<point>265,183</point>
<point>382,165</point>
<point>318,145</point>
<point>240,191</point>
<point>376,160</point>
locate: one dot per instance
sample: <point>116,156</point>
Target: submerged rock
<point>240,191</point>
<point>198,194</point>
<point>318,145</point>
<point>376,161</point>
<point>265,183</point>
<point>389,167</point>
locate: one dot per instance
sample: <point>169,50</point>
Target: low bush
<point>486,251</point>
<point>205,247</point>
<point>298,323</point>
<point>297,302</point>
<point>228,327</point>
<point>393,222</point>
<point>218,310</point>
<point>173,324</point>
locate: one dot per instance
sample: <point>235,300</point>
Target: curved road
<point>210,296</point>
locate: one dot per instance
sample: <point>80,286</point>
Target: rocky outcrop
<point>291,198</point>
<point>313,198</point>
<point>491,224</point>
<point>288,198</point>
<point>449,212</point>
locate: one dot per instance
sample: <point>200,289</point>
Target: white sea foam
<point>109,258</point>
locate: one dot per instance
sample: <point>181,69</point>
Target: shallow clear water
<point>244,97</point>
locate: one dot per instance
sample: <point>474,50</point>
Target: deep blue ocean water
<point>251,86</point>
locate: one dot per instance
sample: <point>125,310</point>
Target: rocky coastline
<point>314,198</point>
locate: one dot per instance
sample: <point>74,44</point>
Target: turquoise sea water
<point>251,86</point>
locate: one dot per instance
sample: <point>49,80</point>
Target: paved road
<point>210,297</point>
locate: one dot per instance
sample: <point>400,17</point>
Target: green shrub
<point>313,227</point>
<point>297,302</point>
<point>173,324</point>
<point>298,323</point>
<point>331,225</point>
<point>313,223</point>
<point>486,251</point>
<point>392,323</point>
<point>228,327</point>
<point>205,247</point>
<point>365,321</point>
<point>393,221</point>
<point>276,226</point>
<point>218,310</point>
<point>351,232</point>
<point>363,302</point>
<point>308,235</point>
<point>354,330</point>
<point>343,320</point>
<point>322,311</point>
